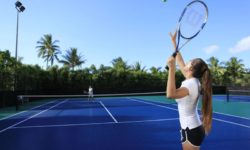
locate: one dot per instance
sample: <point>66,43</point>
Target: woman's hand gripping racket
<point>192,20</point>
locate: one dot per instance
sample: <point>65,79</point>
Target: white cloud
<point>211,49</point>
<point>241,46</point>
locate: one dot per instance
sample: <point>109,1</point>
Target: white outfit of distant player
<point>91,95</point>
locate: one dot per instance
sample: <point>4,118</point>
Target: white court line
<point>34,108</point>
<point>63,125</point>
<point>32,116</point>
<point>153,104</point>
<point>89,124</point>
<point>154,120</point>
<point>230,122</point>
<point>215,112</point>
<point>221,120</point>
<point>26,110</point>
<point>108,112</point>
<point>231,115</point>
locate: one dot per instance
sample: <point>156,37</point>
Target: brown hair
<point>200,70</point>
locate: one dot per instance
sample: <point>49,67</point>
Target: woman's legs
<point>188,146</point>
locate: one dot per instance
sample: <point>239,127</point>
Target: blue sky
<point>136,30</point>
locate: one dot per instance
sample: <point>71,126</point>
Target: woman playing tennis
<point>197,82</point>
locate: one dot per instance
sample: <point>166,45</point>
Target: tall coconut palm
<point>120,65</point>
<point>47,49</point>
<point>216,70</point>
<point>234,68</point>
<point>72,59</point>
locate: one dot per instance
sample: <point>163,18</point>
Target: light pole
<point>20,8</point>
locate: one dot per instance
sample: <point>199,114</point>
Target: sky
<point>136,30</point>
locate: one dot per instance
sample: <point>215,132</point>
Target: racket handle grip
<point>174,55</point>
<point>167,68</point>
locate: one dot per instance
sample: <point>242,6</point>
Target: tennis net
<point>25,100</point>
<point>238,95</point>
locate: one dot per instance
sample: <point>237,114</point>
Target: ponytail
<point>206,87</point>
<point>200,70</point>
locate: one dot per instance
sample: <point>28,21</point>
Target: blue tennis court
<point>113,123</point>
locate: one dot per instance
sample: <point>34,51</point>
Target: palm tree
<point>47,49</point>
<point>155,71</point>
<point>216,70</point>
<point>72,59</point>
<point>137,67</point>
<point>120,73</point>
<point>119,64</point>
<point>234,68</point>
<point>93,69</point>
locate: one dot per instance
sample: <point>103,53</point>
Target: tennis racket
<point>192,20</point>
<point>85,92</point>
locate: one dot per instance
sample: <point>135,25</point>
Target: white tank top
<point>187,105</point>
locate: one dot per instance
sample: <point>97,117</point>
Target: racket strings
<point>192,20</point>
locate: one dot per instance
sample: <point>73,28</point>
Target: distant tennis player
<point>193,129</point>
<point>91,93</point>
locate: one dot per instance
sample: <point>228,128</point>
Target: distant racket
<point>85,92</point>
<point>192,20</point>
